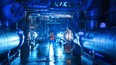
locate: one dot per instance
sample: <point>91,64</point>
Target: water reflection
<point>33,54</point>
<point>51,54</point>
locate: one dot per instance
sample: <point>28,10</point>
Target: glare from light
<point>60,3</point>
<point>33,54</point>
<point>35,34</point>
<point>81,33</point>
<point>38,14</point>
<point>52,17</point>
<point>68,36</point>
<point>103,25</point>
<point>56,4</point>
<point>51,54</point>
<point>60,35</point>
<point>65,4</point>
<point>20,32</point>
<point>13,39</point>
<point>60,53</point>
<point>75,40</point>
<point>63,15</point>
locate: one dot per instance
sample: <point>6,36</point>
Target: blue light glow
<point>20,32</point>
<point>81,33</point>
<point>38,14</point>
<point>60,3</point>
<point>56,4</point>
<point>51,54</point>
<point>103,25</point>
<point>35,34</point>
<point>33,54</point>
<point>61,35</point>
<point>60,53</point>
<point>65,4</point>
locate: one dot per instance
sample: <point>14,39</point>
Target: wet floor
<point>49,54</point>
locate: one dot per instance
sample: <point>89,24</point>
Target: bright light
<point>68,35</point>
<point>51,55</point>
<point>38,14</point>
<point>19,31</point>
<point>56,4</point>
<point>60,3</point>
<point>33,54</point>
<point>103,25</point>
<point>65,4</point>
<point>35,34</point>
<point>81,33</point>
<point>60,35</point>
<point>63,15</point>
<point>60,53</point>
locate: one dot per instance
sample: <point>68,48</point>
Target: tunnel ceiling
<point>48,4</point>
<point>53,15</point>
<point>50,18</point>
<point>66,5</point>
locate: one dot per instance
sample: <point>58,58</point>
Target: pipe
<point>8,40</point>
<point>36,6</point>
<point>86,5</point>
<point>62,9</point>
<point>102,41</point>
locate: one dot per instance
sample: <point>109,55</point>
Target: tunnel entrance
<point>43,23</point>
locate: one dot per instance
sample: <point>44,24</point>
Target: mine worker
<point>51,36</point>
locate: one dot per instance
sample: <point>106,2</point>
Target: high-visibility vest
<point>51,36</point>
